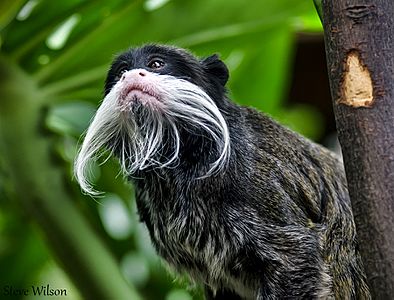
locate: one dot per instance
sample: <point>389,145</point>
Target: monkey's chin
<point>135,100</point>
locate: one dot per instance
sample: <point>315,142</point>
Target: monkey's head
<point>156,99</point>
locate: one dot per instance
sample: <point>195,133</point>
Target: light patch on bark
<point>357,89</point>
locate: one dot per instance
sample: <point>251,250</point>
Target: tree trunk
<point>359,37</point>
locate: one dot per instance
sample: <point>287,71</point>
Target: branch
<point>359,45</point>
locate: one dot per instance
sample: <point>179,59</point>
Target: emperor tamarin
<point>243,205</point>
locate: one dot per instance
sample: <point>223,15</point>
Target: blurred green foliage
<point>53,60</point>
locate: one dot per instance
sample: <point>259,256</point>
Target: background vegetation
<point>53,60</point>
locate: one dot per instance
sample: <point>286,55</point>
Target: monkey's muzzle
<point>138,87</point>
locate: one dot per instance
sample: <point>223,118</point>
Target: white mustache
<point>141,145</point>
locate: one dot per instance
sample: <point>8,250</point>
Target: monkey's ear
<point>215,67</point>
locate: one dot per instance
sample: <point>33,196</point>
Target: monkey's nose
<point>134,74</point>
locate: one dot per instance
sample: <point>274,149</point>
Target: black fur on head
<point>211,74</point>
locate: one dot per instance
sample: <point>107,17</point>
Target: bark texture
<point>359,37</point>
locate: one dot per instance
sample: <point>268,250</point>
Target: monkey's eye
<point>156,63</point>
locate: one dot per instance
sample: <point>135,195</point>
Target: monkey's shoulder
<point>282,169</point>
<point>268,138</point>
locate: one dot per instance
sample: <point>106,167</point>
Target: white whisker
<point>144,142</point>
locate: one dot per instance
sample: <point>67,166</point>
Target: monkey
<point>244,206</point>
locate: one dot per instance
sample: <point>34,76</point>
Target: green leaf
<point>71,118</point>
<point>177,294</point>
<point>8,11</point>
<point>319,8</point>
<point>261,79</point>
<point>135,268</point>
<point>115,217</point>
<point>304,119</point>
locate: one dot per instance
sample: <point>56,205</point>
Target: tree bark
<point>359,37</point>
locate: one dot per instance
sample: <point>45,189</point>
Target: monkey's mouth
<point>136,95</point>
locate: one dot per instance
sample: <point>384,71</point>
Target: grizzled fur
<point>274,223</point>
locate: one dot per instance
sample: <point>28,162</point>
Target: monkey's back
<point>304,184</point>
